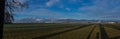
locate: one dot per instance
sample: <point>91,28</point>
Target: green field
<point>62,31</point>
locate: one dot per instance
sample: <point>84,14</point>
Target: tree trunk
<point>2,4</point>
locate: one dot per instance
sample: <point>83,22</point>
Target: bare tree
<point>10,7</point>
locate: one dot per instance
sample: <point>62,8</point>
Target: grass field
<point>61,31</point>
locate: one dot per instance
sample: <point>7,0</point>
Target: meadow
<point>61,31</point>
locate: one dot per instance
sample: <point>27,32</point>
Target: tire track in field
<point>88,37</point>
<point>117,37</point>
<point>113,26</point>
<point>54,34</point>
<point>97,35</point>
<point>103,32</point>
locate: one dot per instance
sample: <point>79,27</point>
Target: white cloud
<point>23,0</point>
<point>73,1</point>
<point>42,13</point>
<point>51,2</point>
<point>102,8</point>
<point>68,9</point>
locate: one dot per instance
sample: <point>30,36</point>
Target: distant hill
<point>53,20</point>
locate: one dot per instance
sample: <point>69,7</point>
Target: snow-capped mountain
<point>29,20</point>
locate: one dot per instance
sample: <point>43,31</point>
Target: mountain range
<point>55,20</point>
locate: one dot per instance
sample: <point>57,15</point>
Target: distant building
<point>111,22</point>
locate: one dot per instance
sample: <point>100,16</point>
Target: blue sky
<point>73,9</point>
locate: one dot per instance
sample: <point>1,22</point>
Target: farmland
<point>61,31</point>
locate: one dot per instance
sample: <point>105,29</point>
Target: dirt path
<point>103,32</point>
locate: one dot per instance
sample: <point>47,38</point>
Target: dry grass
<point>29,31</point>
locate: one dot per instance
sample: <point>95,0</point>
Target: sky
<point>72,9</point>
